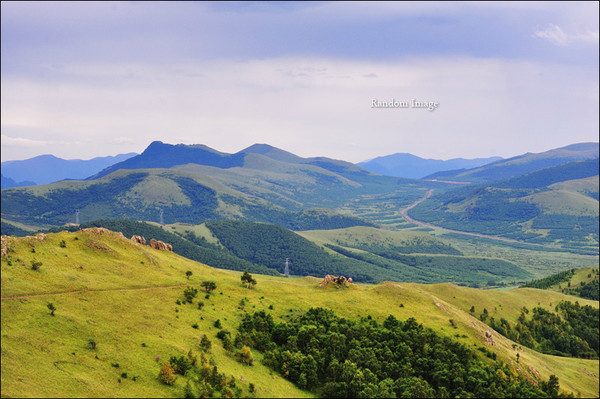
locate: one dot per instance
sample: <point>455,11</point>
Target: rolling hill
<point>414,167</point>
<point>557,205</point>
<point>120,314</point>
<point>249,185</point>
<point>522,164</point>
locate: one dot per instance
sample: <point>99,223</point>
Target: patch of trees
<point>337,357</point>
<point>572,331</point>
<point>8,229</point>
<point>589,290</point>
<point>203,379</point>
<point>547,282</point>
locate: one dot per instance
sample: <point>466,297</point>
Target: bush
<point>62,244</point>
<point>245,356</point>
<point>209,286</point>
<point>35,265</point>
<point>218,323</point>
<point>52,308</point>
<point>167,374</point>
<point>92,343</point>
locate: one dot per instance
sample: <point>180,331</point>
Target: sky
<point>86,79</point>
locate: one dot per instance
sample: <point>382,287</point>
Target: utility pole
<point>76,216</point>
<point>287,267</point>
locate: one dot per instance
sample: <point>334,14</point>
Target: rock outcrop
<point>139,239</point>
<point>335,280</point>
<point>161,246</point>
<point>489,338</point>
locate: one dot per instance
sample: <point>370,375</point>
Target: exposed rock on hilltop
<point>337,281</point>
<point>160,245</point>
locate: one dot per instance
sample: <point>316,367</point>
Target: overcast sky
<point>82,79</point>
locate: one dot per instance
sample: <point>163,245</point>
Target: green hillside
<point>183,196</point>
<point>116,321</point>
<point>557,206</point>
<point>522,164</point>
<point>579,282</point>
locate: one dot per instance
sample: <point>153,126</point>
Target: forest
<point>571,331</point>
<point>337,357</point>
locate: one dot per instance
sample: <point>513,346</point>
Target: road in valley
<point>404,214</point>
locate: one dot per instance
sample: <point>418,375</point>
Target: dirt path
<point>99,290</point>
<point>404,214</point>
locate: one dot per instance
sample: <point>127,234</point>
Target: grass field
<point>126,296</point>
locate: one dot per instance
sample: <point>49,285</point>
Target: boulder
<point>139,239</point>
<point>161,246</point>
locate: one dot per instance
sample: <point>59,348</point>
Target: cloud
<point>313,106</point>
<point>554,34</point>
<point>21,142</point>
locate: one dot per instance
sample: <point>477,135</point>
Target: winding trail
<point>97,290</point>
<point>404,214</point>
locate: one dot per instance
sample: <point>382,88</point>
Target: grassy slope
<point>121,320</point>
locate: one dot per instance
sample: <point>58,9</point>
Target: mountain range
<point>45,169</point>
<point>522,164</point>
<point>414,167</point>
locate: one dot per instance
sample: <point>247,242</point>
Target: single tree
<point>245,356</point>
<point>209,286</point>
<point>167,374</point>
<point>188,274</point>
<point>248,280</point>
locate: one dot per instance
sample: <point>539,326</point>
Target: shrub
<point>245,356</point>
<point>190,293</point>
<point>188,274</point>
<point>195,326</point>
<point>218,323</point>
<point>209,286</point>
<point>92,343</point>
<point>35,265</point>
<point>200,305</point>
<point>62,244</point>
<point>205,344</point>
<point>52,308</point>
<point>167,374</point>
<point>221,334</point>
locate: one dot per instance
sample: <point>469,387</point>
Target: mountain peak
<point>272,152</point>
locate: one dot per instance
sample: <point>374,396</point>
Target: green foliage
<point>337,357</point>
<point>209,285</point>
<point>549,281</point>
<point>205,344</point>
<point>248,280</point>
<point>572,331</point>
<point>92,344</point>
<point>9,229</point>
<point>35,265</point>
<point>190,293</point>
<point>188,274</point>
<point>245,356</point>
<point>167,374</point>
<point>62,244</point>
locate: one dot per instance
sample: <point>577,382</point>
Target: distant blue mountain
<point>7,182</point>
<point>46,169</point>
<point>411,166</point>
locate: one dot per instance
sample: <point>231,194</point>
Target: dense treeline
<point>572,331</point>
<point>337,357</point>
<point>8,229</point>
<point>270,245</point>
<point>589,290</point>
<point>586,289</point>
<point>547,282</point>
<point>548,176</point>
